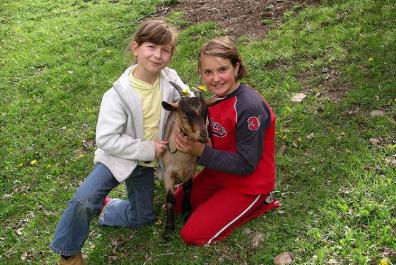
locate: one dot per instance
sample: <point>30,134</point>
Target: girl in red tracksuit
<point>239,172</point>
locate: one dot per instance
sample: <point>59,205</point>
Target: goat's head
<point>191,115</point>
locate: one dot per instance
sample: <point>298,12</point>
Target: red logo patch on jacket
<point>253,123</point>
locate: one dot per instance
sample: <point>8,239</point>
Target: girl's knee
<point>188,236</point>
<point>83,205</point>
<point>193,237</point>
<point>92,200</point>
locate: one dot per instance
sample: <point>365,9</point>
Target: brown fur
<point>189,117</point>
<point>182,165</point>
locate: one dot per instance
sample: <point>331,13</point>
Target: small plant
<point>266,21</point>
<point>171,2</point>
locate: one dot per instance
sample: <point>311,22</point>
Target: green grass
<point>337,190</point>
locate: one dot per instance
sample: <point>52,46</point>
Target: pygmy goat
<point>188,116</point>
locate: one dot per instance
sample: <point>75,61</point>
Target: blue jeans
<point>73,227</point>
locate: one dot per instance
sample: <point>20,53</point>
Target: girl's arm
<point>250,129</point>
<point>110,132</point>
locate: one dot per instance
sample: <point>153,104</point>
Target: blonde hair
<point>225,48</point>
<point>156,31</point>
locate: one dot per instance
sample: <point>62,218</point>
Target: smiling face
<point>219,75</point>
<point>152,58</point>
<point>153,46</point>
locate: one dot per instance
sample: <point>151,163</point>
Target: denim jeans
<point>73,227</point>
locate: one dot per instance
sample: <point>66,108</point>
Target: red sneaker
<point>105,202</point>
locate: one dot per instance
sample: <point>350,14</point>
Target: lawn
<point>336,149</point>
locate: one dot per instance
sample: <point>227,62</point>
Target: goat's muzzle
<point>203,137</point>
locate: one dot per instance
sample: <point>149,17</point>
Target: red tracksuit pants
<point>217,210</point>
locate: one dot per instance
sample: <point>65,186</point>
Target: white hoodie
<point>119,131</point>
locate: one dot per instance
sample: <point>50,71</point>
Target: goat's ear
<point>170,106</point>
<point>198,93</point>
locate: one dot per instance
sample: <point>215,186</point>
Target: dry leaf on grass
<point>283,149</point>
<point>257,239</point>
<point>284,258</point>
<point>391,161</point>
<point>332,262</point>
<point>247,231</point>
<point>377,113</point>
<point>19,231</point>
<point>374,141</point>
<point>310,136</point>
<point>298,97</point>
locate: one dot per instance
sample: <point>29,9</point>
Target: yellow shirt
<point>151,97</point>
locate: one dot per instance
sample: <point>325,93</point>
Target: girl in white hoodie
<point>128,137</point>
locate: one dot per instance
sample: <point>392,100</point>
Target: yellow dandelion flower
<point>384,261</point>
<point>202,88</point>
<point>370,59</point>
<point>33,162</point>
<point>186,91</point>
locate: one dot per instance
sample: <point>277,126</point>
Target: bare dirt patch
<point>252,19</point>
<point>333,86</point>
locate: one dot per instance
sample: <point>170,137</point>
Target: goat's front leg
<point>186,207</point>
<point>170,216</point>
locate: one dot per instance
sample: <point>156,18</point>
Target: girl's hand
<point>160,147</point>
<point>188,146</point>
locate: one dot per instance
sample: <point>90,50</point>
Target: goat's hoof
<point>168,234</point>
<point>169,228</point>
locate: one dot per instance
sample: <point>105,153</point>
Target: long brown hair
<point>225,48</point>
